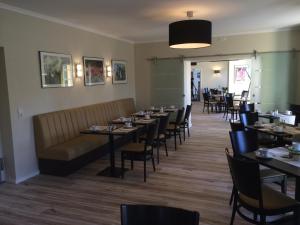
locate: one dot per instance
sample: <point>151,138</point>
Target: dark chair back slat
<point>243,141</point>
<point>163,124</point>
<point>179,116</point>
<point>157,215</point>
<point>187,112</point>
<point>152,132</point>
<point>236,126</point>
<point>206,97</point>
<point>246,177</point>
<point>248,118</point>
<point>244,107</point>
<point>229,101</point>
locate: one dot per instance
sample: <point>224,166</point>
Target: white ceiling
<point>147,20</point>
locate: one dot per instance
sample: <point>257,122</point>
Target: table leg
<point>112,170</point>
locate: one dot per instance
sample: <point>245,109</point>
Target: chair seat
<point>272,200</point>
<point>172,127</point>
<point>134,147</point>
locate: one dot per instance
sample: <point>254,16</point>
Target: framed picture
<point>93,71</point>
<point>119,75</point>
<point>56,70</point>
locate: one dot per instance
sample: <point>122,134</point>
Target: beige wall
<point>223,45</point>
<point>22,37</point>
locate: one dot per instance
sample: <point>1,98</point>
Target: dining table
<point>280,160</point>
<point>112,170</point>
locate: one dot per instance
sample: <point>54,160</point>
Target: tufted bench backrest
<point>57,127</point>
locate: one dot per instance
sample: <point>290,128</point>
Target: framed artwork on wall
<point>93,71</point>
<point>119,75</point>
<point>56,70</point>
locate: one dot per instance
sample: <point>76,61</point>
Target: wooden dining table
<point>283,167</point>
<point>112,170</point>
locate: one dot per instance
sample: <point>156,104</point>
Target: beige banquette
<point>61,148</point>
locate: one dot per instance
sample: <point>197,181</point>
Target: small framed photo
<point>56,70</point>
<point>93,71</point>
<point>119,75</point>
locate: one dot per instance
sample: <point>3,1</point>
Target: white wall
<point>22,37</point>
<point>208,78</point>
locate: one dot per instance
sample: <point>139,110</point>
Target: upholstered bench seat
<point>61,148</point>
<point>74,148</point>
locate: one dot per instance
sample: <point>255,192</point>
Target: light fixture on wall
<point>188,34</point>
<point>78,70</point>
<point>108,70</point>
<point>217,72</point>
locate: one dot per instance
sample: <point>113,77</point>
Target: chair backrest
<point>205,96</point>
<point>245,107</point>
<point>152,131</point>
<point>245,176</point>
<point>179,116</point>
<point>229,101</point>
<point>157,215</point>
<point>236,126</point>
<point>163,123</point>
<point>248,118</point>
<point>243,141</point>
<point>229,95</point>
<point>187,112</point>
<point>244,94</point>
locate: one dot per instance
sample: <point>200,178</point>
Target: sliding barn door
<point>167,82</point>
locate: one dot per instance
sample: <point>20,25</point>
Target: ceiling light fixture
<point>188,34</point>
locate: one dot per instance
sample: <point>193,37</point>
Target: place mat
<point>124,130</point>
<point>281,154</point>
<point>144,121</point>
<point>159,114</point>
<point>97,128</point>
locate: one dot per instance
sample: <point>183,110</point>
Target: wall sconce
<point>108,70</point>
<point>217,72</point>
<point>78,70</point>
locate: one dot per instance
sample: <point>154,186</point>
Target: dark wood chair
<point>161,135</point>
<point>247,141</point>
<point>185,123</point>
<point>249,119</point>
<point>208,102</point>
<point>252,195</point>
<point>230,108</point>
<point>140,151</point>
<point>157,215</point>
<point>174,128</point>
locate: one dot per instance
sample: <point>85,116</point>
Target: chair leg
<point>179,134</point>
<point>232,196</point>
<point>166,148</point>
<point>157,149</point>
<point>188,130</point>
<point>145,174</point>
<point>175,139</point>
<point>131,164</point>
<point>122,165</point>
<point>284,185</point>
<point>184,133</point>
<point>203,107</point>
<point>234,208</point>
<point>153,164</point>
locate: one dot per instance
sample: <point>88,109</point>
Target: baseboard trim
<point>22,179</point>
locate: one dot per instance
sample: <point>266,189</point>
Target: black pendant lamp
<point>188,34</point>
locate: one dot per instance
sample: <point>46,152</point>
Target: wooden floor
<point>194,177</point>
